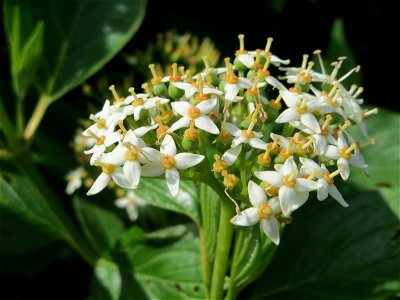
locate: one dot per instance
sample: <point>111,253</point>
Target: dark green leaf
<point>155,192</point>
<point>108,275</point>
<point>383,158</point>
<point>166,270</point>
<point>101,226</point>
<point>79,38</point>
<point>330,252</point>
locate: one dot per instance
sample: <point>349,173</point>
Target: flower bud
<point>160,89</point>
<point>175,92</point>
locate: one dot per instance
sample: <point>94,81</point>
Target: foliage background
<point>297,27</point>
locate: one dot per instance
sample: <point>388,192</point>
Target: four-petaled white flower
<point>299,110</point>
<point>197,113</point>
<point>325,180</point>
<point>74,179</point>
<point>131,202</point>
<point>141,102</point>
<point>103,141</point>
<point>109,172</point>
<point>293,190</point>
<point>245,136</point>
<point>191,89</point>
<point>168,163</point>
<point>342,153</point>
<point>263,211</point>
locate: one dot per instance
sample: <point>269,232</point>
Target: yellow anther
<point>121,125</point>
<point>346,124</point>
<point>101,123</point>
<point>168,161</point>
<point>230,180</point>
<point>268,45</point>
<point>182,70</point>
<point>344,154</point>
<point>289,180</point>
<point>132,153</point>
<point>311,140</point>
<point>337,172</point>
<point>230,76</point>
<point>304,62</point>
<point>302,108</point>
<point>241,45</point>
<point>352,147</point>
<point>273,147</point>
<point>313,175</point>
<point>156,78</point>
<point>327,178</point>
<point>370,112</point>
<point>328,119</point>
<point>264,159</point>
<point>146,87</point>
<point>194,112</point>
<point>266,65</point>
<point>108,168</point>
<point>117,98</point>
<point>175,75</point>
<point>219,165</point>
<point>264,211</point>
<point>191,133</point>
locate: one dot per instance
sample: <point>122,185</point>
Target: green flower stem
<point>232,291</point>
<point>7,128</point>
<point>243,178</point>
<point>225,234</point>
<point>36,118</point>
<point>204,257</point>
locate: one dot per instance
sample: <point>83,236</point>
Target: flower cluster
<point>268,144</point>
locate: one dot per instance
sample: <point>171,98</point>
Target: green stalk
<point>36,118</point>
<point>232,292</point>
<point>204,255</point>
<point>225,234</point>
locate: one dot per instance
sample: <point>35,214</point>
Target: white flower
<point>293,190</point>
<point>103,141</point>
<point>130,153</point>
<point>169,163</point>
<point>74,179</point>
<point>263,211</point>
<point>274,60</point>
<point>191,89</point>
<point>130,202</point>
<point>109,172</point>
<point>299,110</point>
<point>233,87</point>
<point>197,113</point>
<point>245,137</point>
<point>342,153</point>
<point>325,180</point>
<point>142,103</point>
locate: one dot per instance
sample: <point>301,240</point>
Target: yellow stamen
<point>346,124</point>
<point>289,180</point>
<point>156,78</point>
<point>117,98</point>
<point>266,64</point>
<point>132,153</point>
<point>313,175</point>
<point>268,45</point>
<point>230,180</point>
<point>328,119</point>
<point>175,75</point>
<point>241,42</point>
<point>146,87</point>
<point>333,90</point>
<point>191,133</point>
<point>311,140</point>
<point>219,165</point>
<point>108,168</point>
<point>160,107</point>
<point>351,148</point>
<point>337,172</point>
<point>370,112</point>
<point>302,108</point>
<point>304,62</point>
<point>121,125</point>
<point>168,161</point>
<point>264,211</point>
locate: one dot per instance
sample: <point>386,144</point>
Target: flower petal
<point>310,121</point>
<point>239,140</point>
<point>133,212</point>
<point>100,183</point>
<point>299,199</point>
<point>205,123</point>
<point>232,129</point>
<point>271,228</point>
<point>256,194</point>
<point>247,217</point>
<point>187,160</point>
<point>181,107</point>
<point>153,169</point>
<point>323,190</point>
<point>115,157</point>
<point>271,177</point>
<point>168,146</point>
<point>246,59</point>
<point>286,195</point>
<point>290,98</point>
<point>344,163</point>
<point>181,123</point>
<point>275,83</point>
<point>334,192</point>
<point>120,179</point>
<point>305,185</point>
<point>231,155</point>
<point>172,177</point>
<point>289,167</point>
<point>141,131</point>
<point>207,105</point>
<point>231,90</point>
<point>132,171</point>
<point>257,143</point>
<point>288,115</point>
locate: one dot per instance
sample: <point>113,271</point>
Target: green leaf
<point>108,275</point>
<point>253,252</point>
<point>100,225</point>
<point>31,201</point>
<point>340,46</point>
<point>80,36</point>
<point>330,252</point>
<point>155,192</point>
<point>383,158</point>
<point>166,269</point>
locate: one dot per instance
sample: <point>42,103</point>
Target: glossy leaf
<point>166,269</point>
<point>108,275</point>
<point>101,226</point>
<point>80,37</point>
<point>334,253</point>
<point>383,157</point>
<point>155,192</point>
